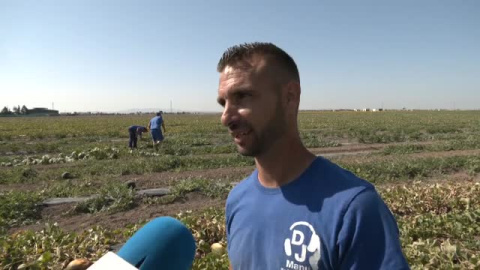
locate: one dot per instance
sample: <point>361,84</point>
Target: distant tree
<point>16,110</point>
<point>5,110</point>
<point>24,110</point>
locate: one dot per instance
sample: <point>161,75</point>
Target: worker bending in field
<point>155,130</point>
<point>134,132</point>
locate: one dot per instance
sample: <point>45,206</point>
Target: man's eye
<point>243,95</point>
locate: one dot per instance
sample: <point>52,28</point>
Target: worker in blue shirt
<point>155,130</point>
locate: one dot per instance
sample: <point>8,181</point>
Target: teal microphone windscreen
<point>163,243</point>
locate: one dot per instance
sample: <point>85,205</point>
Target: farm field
<point>425,164</point>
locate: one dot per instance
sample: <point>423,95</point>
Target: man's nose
<point>229,114</point>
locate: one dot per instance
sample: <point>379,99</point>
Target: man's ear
<point>293,92</point>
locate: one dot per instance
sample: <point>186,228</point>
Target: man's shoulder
<point>241,188</point>
<point>333,185</point>
<point>328,174</point>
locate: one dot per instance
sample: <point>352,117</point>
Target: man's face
<point>253,109</point>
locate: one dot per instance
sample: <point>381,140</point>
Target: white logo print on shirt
<point>306,247</point>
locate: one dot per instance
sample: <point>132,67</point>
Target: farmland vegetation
<point>426,166</point>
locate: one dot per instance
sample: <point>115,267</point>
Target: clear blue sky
<point>90,55</point>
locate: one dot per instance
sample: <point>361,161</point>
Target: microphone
<point>163,243</point>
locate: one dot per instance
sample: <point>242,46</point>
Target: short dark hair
<point>243,51</point>
<point>159,113</point>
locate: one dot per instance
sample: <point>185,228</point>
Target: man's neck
<point>283,163</point>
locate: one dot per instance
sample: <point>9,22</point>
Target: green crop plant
<point>113,197</point>
<point>19,208</point>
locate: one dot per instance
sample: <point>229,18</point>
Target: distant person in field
<point>154,126</point>
<point>135,132</point>
<point>296,210</point>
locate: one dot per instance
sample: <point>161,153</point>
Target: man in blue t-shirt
<point>134,132</point>
<point>296,210</point>
<point>154,126</point>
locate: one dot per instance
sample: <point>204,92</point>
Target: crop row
<point>374,170</point>
<point>366,127</point>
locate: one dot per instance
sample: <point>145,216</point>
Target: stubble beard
<point>267,136</point>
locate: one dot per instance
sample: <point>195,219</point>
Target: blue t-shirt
<point>326,219</point>
<point>156,122</point>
